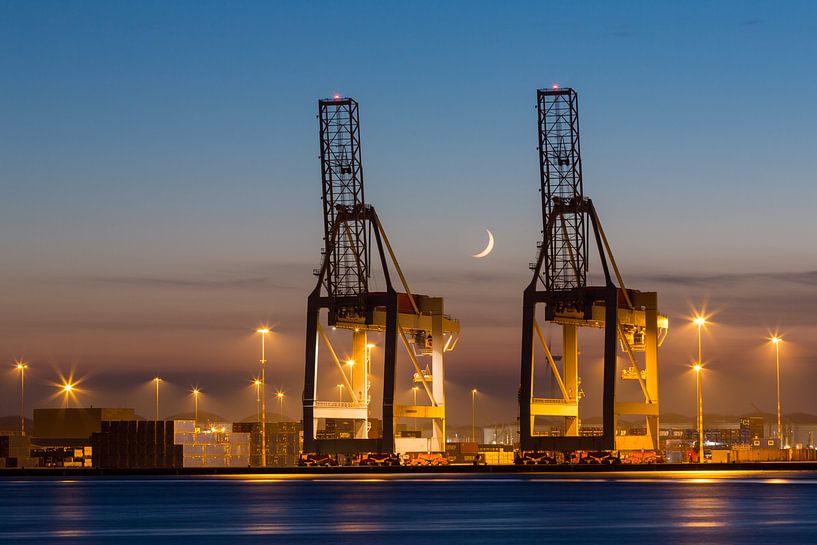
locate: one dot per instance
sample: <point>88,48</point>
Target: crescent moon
<point>489,247</point>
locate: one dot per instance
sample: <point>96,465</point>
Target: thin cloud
<point>186,283</point>
<point>805,278</point>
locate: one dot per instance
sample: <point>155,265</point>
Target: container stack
<point>213,447</point>
<point>15,451</point>
<point>283,443</point>
<point>130,444</point>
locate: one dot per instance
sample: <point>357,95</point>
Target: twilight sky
<point>161,186</point>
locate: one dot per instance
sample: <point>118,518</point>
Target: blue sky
<point>160,181</point>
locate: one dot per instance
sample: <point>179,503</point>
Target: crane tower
<point>352,230</point>
<point>629,318</point>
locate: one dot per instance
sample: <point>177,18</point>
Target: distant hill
<point>204,417</point>
<point>12,423</point>
<point>271,417</point>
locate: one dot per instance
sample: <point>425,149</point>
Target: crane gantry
<point>629,318</point>
<point>352,230</point>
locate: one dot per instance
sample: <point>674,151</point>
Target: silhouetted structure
<point>352,231</point>
<point>559,282</point>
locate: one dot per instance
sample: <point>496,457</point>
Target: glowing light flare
<point>555,87</point>
<point>697,367</point>
<point>20,365</point>
<point>67,388</point>
<point>279,395</point>
<point>776,340</point>
<point>699,320</point>
<point>263,330</point>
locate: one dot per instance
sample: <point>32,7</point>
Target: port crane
<point>344,300</point>
<point>630,319</point>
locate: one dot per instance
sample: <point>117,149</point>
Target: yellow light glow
<point>279,395</point>
<point>67,388</point>
<point>22,365</point>
<point>474,391</point>
<point>262,330</point>
<point>350,363</point>
<point>697,367</point>
<point>195,391</point>
<point>157,379</point>
<point>415,388</point>
<point>776,339</point>
<point>257,382</point>
<point>370,345</point>
<point>699,320</point>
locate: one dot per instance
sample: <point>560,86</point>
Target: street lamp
<point>258,397</point>
<point>263,331</point>
<point>776,342</point>
<point>67,388</point>
<point>280,396</point>
<point>340,393</point>
<point>414,391</point>
<point>699,321</point>
<point>21,367</point>
<point>700,395</point>
<point>196,401</point>
<point>157,380</point>
<point>473,415</point>
<point>351,364</point>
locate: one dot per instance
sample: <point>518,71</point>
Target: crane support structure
<point>629,318</point>
<point>352,229</point>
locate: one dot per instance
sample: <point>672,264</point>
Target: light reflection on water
<point>694,507</point>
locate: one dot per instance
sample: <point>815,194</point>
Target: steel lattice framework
<point>354,240</point>
<point>560,165</point>
<point>342,174</point>
<point>629,318</point>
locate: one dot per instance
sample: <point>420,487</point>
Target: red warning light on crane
<point>555,86</point>
<point>337,97</point>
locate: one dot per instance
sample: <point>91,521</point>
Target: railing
<point>340,405</point>
<point>552,401</point>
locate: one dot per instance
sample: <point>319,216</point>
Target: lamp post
<point>367,369</point>
<point>340,393</point>
<point>473,415</point>
<point>258,397</point>
<point>414,391</point>
<point>263,331</point>
<point>700,403</point>
<point>351,364</point>
<point>700,321</point>
<point>196,401</point>
<point>776,342</point>
<point>280,396</point>
<point>21,367</point>
<point>157,380</point>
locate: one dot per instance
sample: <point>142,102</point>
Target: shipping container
<point>188,426</point>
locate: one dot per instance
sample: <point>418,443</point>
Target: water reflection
<point>722,507</point>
